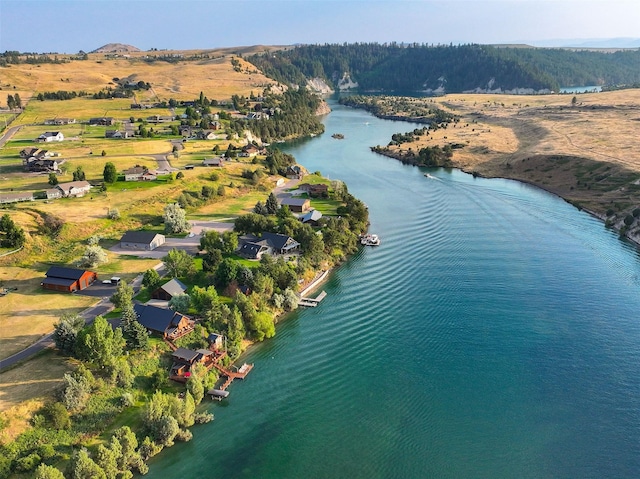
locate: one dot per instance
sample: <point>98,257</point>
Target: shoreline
<point>632,240</point>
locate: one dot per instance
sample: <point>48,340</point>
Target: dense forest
<point>418,67</point>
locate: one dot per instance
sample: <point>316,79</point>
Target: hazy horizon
<point>68,26</point>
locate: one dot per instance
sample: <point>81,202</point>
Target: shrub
<point>184,435</point>
<point>28,463</point>
<point>113,214</point>
<point>628,220</point>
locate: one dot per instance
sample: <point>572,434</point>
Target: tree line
<point>455,68</point>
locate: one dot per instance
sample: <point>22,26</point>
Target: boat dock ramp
<point>312,302</point>
<point>241,373</point>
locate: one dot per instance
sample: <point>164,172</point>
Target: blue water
<point>493,334</point>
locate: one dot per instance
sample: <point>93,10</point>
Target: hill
<point>116,48</point>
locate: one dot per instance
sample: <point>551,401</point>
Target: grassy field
<point>184,80</point>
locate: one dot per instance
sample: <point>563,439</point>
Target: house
<point>159,119</point>
<point>249,151</point>
<point>118,134</point>
<point>216,341</point>
<point>175,287</point>
<point>102,121</point>
<point>52,193</point>
<point>186,131</point>
<point>207,135</point>
<point>252,247</point>
<point>68,280</point>
<point>74,188</point>
<point>294,172</point>
<point>217,162</point>
<point>166,322</point>
<point>41,164</point>
<point>319,190</point>
<point>311,217</point>
<point>49,136</point>
<point>143,240</point>
<point>184,359</point>
<point>60,121</point>
<point>135,173</point>
<point>296,205</point>
<point>32,152</point>
<point>16,197</point>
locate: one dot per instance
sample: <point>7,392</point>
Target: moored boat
<point>370,239</point>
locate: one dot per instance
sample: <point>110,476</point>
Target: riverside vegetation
<point>108,405</point>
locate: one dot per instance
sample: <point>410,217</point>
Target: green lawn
<point>326,206</point>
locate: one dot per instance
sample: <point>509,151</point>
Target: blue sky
<point>69,26</point>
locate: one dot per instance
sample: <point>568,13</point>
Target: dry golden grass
<point>29,313</point>
<point>185,80</point>
<point>601,127</point>
<point>36,378</point>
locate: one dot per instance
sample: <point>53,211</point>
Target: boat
<point>338,136</point>
<point>370,239</point>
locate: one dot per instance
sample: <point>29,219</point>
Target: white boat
<point>370,240</point>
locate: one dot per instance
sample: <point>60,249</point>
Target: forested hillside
<point>395,67</point>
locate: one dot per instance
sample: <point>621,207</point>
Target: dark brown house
<point>168,290</point>
<point>68,279</point>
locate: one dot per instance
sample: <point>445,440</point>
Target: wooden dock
<point>241,373</point>
<point>312,302</point>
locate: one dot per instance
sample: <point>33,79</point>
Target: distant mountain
<point>116,48</point>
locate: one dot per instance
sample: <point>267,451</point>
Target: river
<point>493,334</point>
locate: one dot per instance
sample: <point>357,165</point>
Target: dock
<point>312,302</point>
<point>241,373</point>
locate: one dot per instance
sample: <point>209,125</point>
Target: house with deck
<point>184,359</point>
<point>68,280</point>
<point>253,247</point>
<point>167,323</point>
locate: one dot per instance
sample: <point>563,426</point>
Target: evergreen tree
<point>66,332</point>
<point>110,174</point>
<point>272,205</point>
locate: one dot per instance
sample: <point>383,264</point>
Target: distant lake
<point>493,334</point>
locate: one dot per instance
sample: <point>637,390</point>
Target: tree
<point>211,260</point>
<point>151,279</point>
<point>204,299</point>
<point>136,335</point>
<point>17,100</point>
<point>100,344</point>
<point>48,472</point>
<point>53,181</point>
<point>175,219</point>
<point>104,153</point>
<point>113,214</point>
<point>76,389</point>
<point>271,204</point>
<point>11,235</point>
<point>57,415</point>
<point>110,174</point>
<point>79,175</point>
<point>178,263</point>
<point>123,295</point>
<point>83,467</point>
<point>93,256</point>
<point>66,331</point>
<point>11,102</point>
<point>180,303</point>
<point>226,272</point>
<point>574,101</point>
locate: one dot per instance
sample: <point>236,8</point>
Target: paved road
<point>8,134</point>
